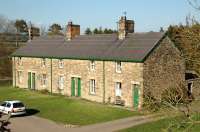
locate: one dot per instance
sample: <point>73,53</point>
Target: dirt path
<point>37,124</point>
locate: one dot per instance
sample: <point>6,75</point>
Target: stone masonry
<point>164,68</point>
<point>104,74</point>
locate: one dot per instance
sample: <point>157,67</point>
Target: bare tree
<point>2,23</point>
<point>6,25</point>
<point>10,27</point>
<point>195,4</point>
<point>43,30</point>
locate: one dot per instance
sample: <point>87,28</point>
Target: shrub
<point>151,104</point>
<point>44,91</point>
<point>173,96</point>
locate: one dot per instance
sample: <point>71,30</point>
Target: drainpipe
<point>104,86</point>
<point>14,70</point>
<point>51,76</point>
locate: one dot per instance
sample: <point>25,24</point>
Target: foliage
<point>175,104</point>
<point>5,62</point>
<point>170,124</point>
<point>109,31</point>
<point>151,104</point>
<point>173,96</point>
<point>21,26</point>
<point>62,109</point>
<point>44,91</point>
<point>55,29</point>
<point>187,39</point>
<point>88,31</point>
<point>99,31</point>
<point>95,31</point>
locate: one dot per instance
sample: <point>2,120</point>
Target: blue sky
<point>149,15</point>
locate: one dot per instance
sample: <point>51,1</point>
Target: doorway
<point>31,80</point>
<point>135,95</point>
<point>76,86</point>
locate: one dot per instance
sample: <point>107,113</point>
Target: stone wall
<point>195,87</point>
<point>164,68</point>
<point>132,73</point>
<point>105,76</point>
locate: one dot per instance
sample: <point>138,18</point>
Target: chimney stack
<point>72,31</point>
<point>33,32</point>
<point>124,27</point>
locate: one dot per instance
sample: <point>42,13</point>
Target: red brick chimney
<point>72,31</point>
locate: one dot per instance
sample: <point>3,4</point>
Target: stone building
<point>193,84</point>
<point>110,68</point>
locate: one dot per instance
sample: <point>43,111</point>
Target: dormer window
<point>92,65</point>
<point>61,63</point>
<point>43,62</point>
<point>118,67</point>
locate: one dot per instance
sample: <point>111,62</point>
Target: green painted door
<point>79,87</point>
<point>73,86</point>
<point>29,79</point>
<point>33,81</point>
<point>135,96</point>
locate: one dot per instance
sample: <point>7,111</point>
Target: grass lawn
<point>62,109</point>
<point>179,123</point>
<point>163,124</point>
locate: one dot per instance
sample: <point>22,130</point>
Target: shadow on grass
<point>29,112</point>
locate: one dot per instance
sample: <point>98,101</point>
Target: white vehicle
<point>13,107</point>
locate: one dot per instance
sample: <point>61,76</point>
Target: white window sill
<point>44,86</point>
<point>60,88</point>
<point>118,71</point>
<point>92,93</point>
<point>61,67</point>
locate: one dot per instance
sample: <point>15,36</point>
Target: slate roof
<point>98,47</point>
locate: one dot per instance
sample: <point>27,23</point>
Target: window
<point>19,76</point>
<point>118,67</point>
<point>61,82</point>
<point>43,62</point>
<point>19,61</point>
<point>18,105</point>
<point>8,105</point>
<point>118,89</point>
<point>92,86</point>
<point>61,63</point>
<point>92,65</point>
<point>44,80</point>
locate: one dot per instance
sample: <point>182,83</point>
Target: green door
<point>79,87</point>
<point>33,81</point>
<point>73,86</point>
<point>29,79</point>
<point>135,96</point>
